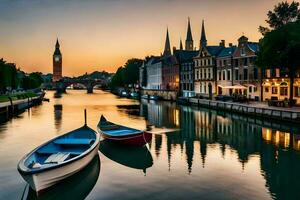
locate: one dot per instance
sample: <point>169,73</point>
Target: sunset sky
<point>103,34</point>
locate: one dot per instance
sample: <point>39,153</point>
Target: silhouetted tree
<point>281,48</point>
<point>129,74</point>
<point>282,14</point>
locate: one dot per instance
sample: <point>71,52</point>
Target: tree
<point>282,14</point>
<point>8,75</point>
<point>129,74</point>
<point>281,48</point>
<point>33,80</point>
<point>117,79</point>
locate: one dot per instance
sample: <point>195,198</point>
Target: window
<point>268,73</point>
<point>255,89</point>
<point>201,74</point>
<point>224,75</point>
<point>245,74</point>
<point>236,74</point>
<point>274,90</point>
<point>219,74</point>
<point>204,74</point>
<point>229,75</point>
<point>297,91</point>
<point>277,72</point>
<point>208,75</point>
<point>250,89</point>
<point>255,73</point>
<point>267,89</point>
<point>284,89</point>
<point>236,62</point>
<point>243,52</point>
<point>245,61</point>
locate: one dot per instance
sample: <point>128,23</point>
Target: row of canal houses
<point>214,70</point>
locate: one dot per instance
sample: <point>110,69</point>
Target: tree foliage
<point>281,48</point>
<point>127,75</point>
<point>12,78</point>
<point>282,14</point>
<point>8,75</point>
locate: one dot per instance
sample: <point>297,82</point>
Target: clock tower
<point>57,63</point>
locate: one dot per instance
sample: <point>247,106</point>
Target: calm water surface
<point>213,156</point>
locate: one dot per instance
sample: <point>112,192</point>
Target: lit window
<point>274,90</point>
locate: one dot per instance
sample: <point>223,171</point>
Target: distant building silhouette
<point>57,63</point>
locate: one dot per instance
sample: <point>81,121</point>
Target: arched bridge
<point>88,83</point>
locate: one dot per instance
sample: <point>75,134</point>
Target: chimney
<point>230,44</point>
<point>222,43</point>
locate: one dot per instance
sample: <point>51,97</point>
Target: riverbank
<point>11,105</point>
<point>257,109</point>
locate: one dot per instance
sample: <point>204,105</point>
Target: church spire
<point>167,50</point>
<point>203,41</point>
<point>181,46</point>
<point>189,43</point>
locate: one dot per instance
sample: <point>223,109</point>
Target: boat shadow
<point>129,156</point>
<point>75,187</point>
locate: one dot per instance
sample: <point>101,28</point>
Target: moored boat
<point>123,134</point>
<point>154,97</point>
<point>59,158</point>
<point>134,95</point>
<point>76,187</point>
<point>145,96</point>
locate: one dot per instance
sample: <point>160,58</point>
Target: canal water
<point>213,155</point>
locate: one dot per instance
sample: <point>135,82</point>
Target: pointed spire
<point>167,50</point>
<point>203,41</point>
<point>57,44</point>
<point>189,43</point>
<point>181,46</point>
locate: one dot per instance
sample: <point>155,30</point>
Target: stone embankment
<point>258,110</point>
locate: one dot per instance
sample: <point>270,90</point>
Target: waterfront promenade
<point>9,108</point>
<point>259,109</point>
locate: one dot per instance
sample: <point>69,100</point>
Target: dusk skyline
<point>102,35</point>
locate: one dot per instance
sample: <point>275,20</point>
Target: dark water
<point>214,155</point>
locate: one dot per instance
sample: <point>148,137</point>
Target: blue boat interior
<point>62,148</point>
<point>112,129</point>
<point>122,131</point>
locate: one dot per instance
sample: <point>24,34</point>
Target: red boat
<point>123,134</point>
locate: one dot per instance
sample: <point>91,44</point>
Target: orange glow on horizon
<point>102,35</point>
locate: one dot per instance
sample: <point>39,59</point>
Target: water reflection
<point>58,109</point>
<point>78,186</point>
<point>274,143</point>
<point>214,155</point>
<point>133,157</point>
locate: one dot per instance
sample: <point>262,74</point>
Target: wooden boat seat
<point>74,141</point>
<point>49,151</point>
<point>57,157</point>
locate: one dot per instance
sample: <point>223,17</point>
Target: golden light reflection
<point>176,117</point>
<point>279,138</point>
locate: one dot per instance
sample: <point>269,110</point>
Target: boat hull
<point>139,139</point>
<point>43,180</point>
